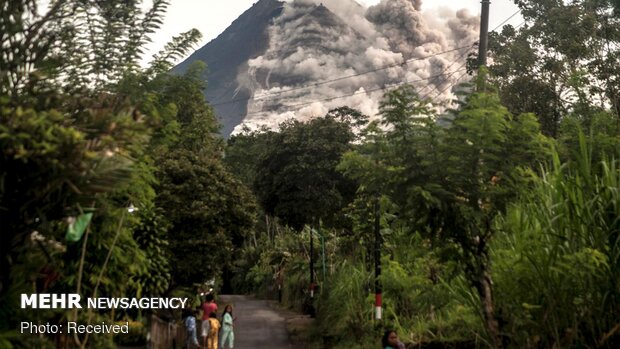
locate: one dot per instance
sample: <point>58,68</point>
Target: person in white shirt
<point>228,335</point>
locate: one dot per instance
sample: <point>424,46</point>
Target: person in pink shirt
<point>208,307</point>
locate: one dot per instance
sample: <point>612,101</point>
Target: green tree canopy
<point>297,179</point>
<point>563,60</point>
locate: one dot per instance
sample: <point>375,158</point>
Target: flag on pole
<point>77,227</point>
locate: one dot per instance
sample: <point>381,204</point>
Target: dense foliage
<point>557,257</point>
<point>493,234</point>
<point>88,133</point>
<point>490,236</point>
<point>296,179</point>
<point>562,62</point>
<point>498,218</point>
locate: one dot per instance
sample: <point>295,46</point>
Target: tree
<point>564,60</point>
<point>450,184</point>
<point>297,179</point>
<point>74,140</point>
<point>483,153</point>
<point>209,211</point>
<point>243,153</point>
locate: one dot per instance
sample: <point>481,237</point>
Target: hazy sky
<point>212,17</point>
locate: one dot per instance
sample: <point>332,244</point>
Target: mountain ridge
<point>265,67</point>
<point>225,54</point>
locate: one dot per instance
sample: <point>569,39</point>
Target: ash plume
<point>322,40</point>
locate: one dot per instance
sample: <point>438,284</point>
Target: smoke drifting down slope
<point>322,40</point>
<point>305,46</point>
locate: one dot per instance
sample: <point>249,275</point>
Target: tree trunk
<point>481,275</point>
<point>485,291</point>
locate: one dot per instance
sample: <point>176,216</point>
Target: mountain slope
<point>245,38</point>
<point>301,58</point>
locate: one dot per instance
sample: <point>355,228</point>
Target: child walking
<point>208,307</point>
<point>227,327</point>
<point>214,328</point>
<point>190,326</point>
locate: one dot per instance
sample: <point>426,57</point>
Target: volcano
<point>300,58</point>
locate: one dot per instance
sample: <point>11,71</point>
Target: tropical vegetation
<point>495,219</point>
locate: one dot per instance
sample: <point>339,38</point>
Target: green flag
<point>76,229</point>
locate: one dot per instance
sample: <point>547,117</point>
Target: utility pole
<point>378,288</point>
<point>484,33</point>
<point>311,264</point>
<point>322,250</point>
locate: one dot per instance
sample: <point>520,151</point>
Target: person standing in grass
<point>227,327</point>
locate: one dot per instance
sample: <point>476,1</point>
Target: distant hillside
<point>245,38</point>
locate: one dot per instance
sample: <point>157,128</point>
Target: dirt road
<point>258,326</point>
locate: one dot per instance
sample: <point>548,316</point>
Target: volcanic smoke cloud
<point>318,40</point>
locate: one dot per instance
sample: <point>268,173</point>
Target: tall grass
<point>557,262</point>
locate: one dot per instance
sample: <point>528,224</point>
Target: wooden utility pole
<point>484,33</point>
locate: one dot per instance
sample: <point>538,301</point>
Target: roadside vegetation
<point>111,175</point>
<point>498,218</point>
<point>499,215</point>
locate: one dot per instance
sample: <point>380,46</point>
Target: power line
<point>459,78</point>
<point>450,86</point>
<point>450,66</point>
<point>506,20</point>
<point>298,106</point>
<point>376,70</point>
<point>323,82</point>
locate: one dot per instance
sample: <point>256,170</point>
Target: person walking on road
<point>228,335</point>
<point>214,329</point>
<point>190,326</point>
<point>390,341</point>
<point>208,307</point>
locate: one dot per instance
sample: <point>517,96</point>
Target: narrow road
<point>257,325</point>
